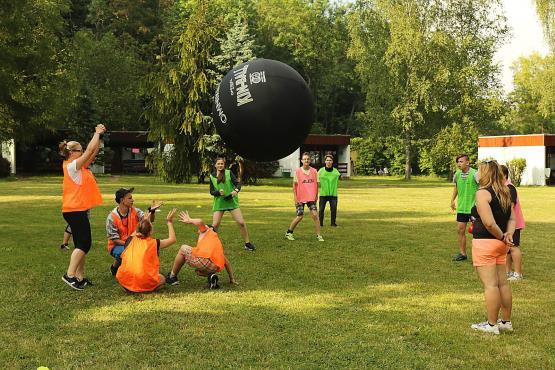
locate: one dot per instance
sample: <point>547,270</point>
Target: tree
<point>546,12</point>
<point>31,74</point>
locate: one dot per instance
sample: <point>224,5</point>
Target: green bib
<point>220,203</point>
<point>466,191</point>
<point>328,182</point>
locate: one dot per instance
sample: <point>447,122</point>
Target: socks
<point>290,231</point>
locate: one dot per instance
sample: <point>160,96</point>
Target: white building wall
<point>344,156</point>
<point>289,163</point>
<point>8,152</point>
<point>534,173</point>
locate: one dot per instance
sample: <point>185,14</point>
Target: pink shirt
<point>307,185</point>
<point>519,217</point>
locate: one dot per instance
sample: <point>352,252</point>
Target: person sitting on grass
<point>140,266</point>
<point>207,257</point>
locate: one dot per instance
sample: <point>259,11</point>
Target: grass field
<point>380,292</point>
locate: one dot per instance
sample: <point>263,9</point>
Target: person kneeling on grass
<point>140,266</point>
<point>207,257</point>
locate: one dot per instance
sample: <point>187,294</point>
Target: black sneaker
<point>250,247</point>
<point>72,282</point>
<point>64,247</point>
<point>114,269</point>
<point>213,281</point>
<point>86,282</point>
<point>334,225</point>
<point>171,280</point>
<point>460,257</point>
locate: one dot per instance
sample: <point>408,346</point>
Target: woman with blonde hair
<point>80,194</point>
<point>493,235</point>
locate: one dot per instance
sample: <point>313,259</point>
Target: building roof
<point>517,140</point>
<point>327,140</point>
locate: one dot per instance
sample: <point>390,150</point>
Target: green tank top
<point>221,203</point>
<point>328,182</point>
<point>466,191</point>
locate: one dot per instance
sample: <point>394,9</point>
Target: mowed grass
<point>380,292</point>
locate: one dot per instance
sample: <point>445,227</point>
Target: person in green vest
<point>225,188</point>
<point>328,180</point>
<point>466,185</point>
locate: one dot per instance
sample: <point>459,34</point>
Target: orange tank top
<point>210,246</point>
<point>140,266</point>
<point>82,197</point>
<point>125,228</point>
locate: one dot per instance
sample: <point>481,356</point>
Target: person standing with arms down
<point>80,193</point>
<point>466,185</point>
<point>493,235</point>
<point>305,193</point>
<point>225,187</point>
<point>328,180</point>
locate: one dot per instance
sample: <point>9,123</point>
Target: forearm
<point>118,241</point>
<point>495,230</point>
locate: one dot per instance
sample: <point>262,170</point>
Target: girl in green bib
<point>225,188</point>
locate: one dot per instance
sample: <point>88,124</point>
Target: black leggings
<point>333,207</point>
<point>80,229</point>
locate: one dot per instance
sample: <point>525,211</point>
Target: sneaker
<point>509,274</point>
<point>250,247</point>
<point>507,326</point>
<point>72,282</point>
<point>486,327</point>
<point>114,269</point>
<point>289,236</point>
<point>320,238</point>
<point>213,281</point>
<point>64,247</point>
<point>460,257</point>
<point>171,280</point>
<point>85,282</point>
<point>515,277</point>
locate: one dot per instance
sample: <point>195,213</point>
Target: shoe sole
<point>72,286</point>
<point>249,249</point>
<point>174,283</point>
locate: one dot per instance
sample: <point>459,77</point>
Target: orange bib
<point>210,246</point>
<point>82,197</point>
<point>140,266</point>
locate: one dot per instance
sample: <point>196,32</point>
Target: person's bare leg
<point>179,260</point>
<point>238,217</point>
<point>316,220</point>
<point>509,263</point>
<point>161,283</point>
<point>516,254</point>
<point>66,238</point>
<point>461,235</point>
<point>77,256</point>
<point>489,278</point>
<point>80,272</point>
<point>505,292</point>
<point>217,219</point>
<point>295,222</point>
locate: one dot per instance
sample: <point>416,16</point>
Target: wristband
<point>149,209</point>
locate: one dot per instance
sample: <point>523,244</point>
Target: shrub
<point>5,167</point>
<point>516,168</point>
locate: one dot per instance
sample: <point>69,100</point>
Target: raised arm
<point>186,219</point>
<point>92,147</point>
<point>154,205</point>
<point>164,243</point>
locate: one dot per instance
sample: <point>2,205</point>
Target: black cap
<point>122,192</point>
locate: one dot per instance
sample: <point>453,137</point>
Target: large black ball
<point>263,110</point>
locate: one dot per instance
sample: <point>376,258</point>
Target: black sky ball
<point>263,110</point>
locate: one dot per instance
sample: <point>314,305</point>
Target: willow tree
<point>180,103</point>
<point>546,12</point>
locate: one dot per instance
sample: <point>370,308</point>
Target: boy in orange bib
<point>207,257</point>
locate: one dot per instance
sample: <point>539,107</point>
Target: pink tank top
<point>307,185</point>
<point>519,217</point>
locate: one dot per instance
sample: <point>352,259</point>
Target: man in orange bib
<point>207,257</point>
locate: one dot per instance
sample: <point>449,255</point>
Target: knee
<point>184,249</point>
<point>241,224</point>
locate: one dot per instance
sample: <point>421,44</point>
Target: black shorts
<point>80,229</point>
<point>463,217</point>
<point>516,238</point>
<point>310,205</point>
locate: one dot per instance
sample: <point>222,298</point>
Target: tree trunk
<point>408,153</point>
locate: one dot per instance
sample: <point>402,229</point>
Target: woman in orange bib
<point>80,193</point>
<point>207,257</point>
<point>140,266</point>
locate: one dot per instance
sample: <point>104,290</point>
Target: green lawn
<point>380,292</point>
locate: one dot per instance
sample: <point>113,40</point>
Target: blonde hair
<point>65,148</point>
<point>491,176</point>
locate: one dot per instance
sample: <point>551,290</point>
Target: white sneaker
<point>507,326</point>
<point>509,274</point>
<point>515,277</point>
<point>289,236</point>
<point>486,327</point>
<point>320,238</point>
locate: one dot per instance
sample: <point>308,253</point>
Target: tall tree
<point>546,12</point>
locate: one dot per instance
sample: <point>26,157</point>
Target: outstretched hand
<point>154,205</point>
<point>169,217</point>
<point>185,218</point>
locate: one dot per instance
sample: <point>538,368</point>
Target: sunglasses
<point>490,161</point>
